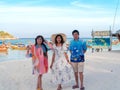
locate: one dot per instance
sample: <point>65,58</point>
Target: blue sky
<point>28,18</point>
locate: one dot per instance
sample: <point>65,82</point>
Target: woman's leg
<point>39,82</point>
<point>59,87</point>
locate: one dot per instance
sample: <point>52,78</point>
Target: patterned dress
<point>40,62</point>
<point>61,70</point>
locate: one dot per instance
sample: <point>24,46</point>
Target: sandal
<point>75,86</point>
<point>39,89</point>
<point>83,88</point>
<point>59,88</point>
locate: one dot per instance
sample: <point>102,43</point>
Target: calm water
<point>20,55</point>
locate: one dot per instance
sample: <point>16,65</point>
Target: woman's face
<point>39,41</point>
<point>58,39</point>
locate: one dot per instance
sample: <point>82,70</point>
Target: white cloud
<point>79,4</point>
<point>44,19</point>
<point>46,14</point>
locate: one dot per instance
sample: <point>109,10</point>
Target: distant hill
<point>6,35</point>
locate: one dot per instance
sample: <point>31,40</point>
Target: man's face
<point>76,35</point>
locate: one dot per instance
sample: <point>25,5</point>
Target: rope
<point>115,15</point>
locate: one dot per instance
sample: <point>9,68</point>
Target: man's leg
<point>75,65</point>
<point>81,79</point>
<point>81,76</point>
<point>76,78</point>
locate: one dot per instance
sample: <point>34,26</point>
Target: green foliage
<point>5,35</point>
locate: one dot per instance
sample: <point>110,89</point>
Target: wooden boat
<point>18,47</point>
<point>3,49</point>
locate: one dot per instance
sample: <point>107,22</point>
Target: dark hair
<point>75,31</point>
<point>43,40</point>
<point>62,40</point>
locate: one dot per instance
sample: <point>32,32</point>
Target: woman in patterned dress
<point>60,64</point>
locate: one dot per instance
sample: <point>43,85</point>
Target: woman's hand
<point>51,66</point>
<point>35,67</point>
<point>69,62</point>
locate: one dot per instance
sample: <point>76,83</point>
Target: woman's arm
<point>66,56</point>
<point>53,58</point>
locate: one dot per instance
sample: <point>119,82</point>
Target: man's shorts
<point>78,66</point>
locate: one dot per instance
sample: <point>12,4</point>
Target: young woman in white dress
<point>60,64</point>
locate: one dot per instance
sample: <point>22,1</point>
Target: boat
<point>3,49</point>
<point>18,47</point>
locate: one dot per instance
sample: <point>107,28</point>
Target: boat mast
<point>114,19</point>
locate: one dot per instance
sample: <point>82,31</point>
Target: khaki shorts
<point>78,67</point>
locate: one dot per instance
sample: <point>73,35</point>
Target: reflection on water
<point>12,55</point>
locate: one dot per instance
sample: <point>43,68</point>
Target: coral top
<point>40,62</point>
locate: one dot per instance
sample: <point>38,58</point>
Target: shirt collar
<point>76,40</point>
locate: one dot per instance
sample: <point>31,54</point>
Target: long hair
<point>62,40</point>
<point>43,40</point>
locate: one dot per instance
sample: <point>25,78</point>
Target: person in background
<point>29,53</point>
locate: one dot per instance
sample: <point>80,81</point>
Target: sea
<point>21,54</point>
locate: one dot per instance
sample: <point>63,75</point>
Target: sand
<point>102,72</point>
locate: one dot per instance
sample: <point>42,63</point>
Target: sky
<point>29,18</point>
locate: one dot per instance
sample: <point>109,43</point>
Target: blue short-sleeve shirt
<point>77,48</point>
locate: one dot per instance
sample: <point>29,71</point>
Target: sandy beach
<point>102,72</point>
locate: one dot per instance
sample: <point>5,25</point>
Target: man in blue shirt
<point>77,48</point>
